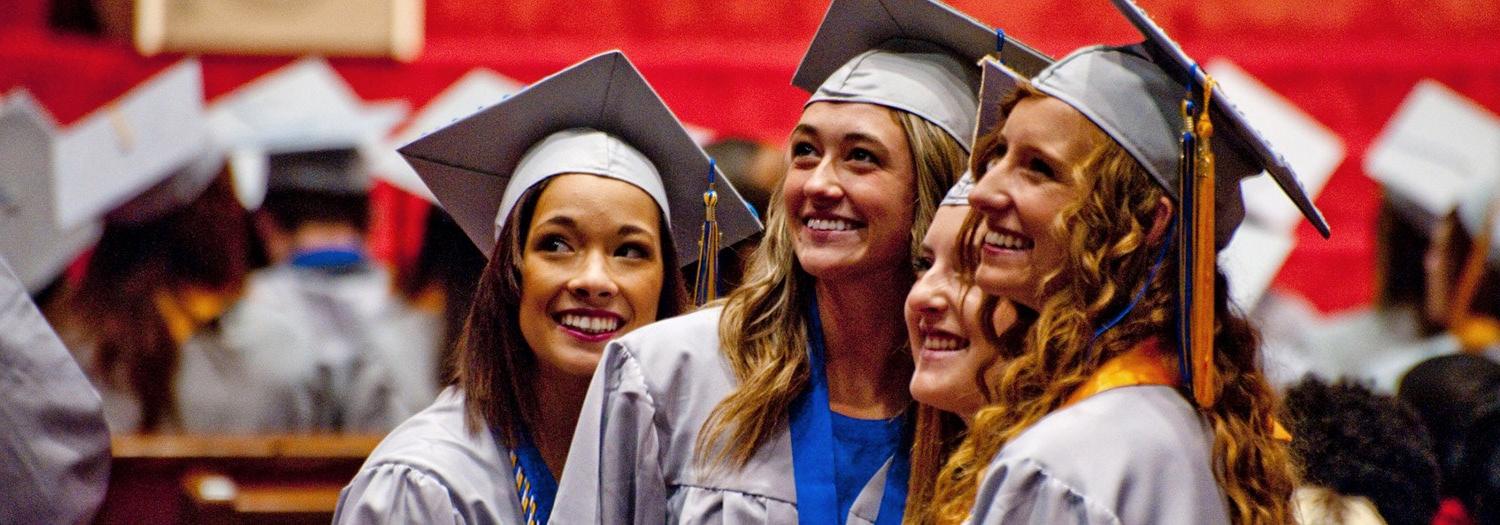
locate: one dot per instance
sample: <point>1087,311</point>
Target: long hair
<point>1109,257</point>
<point>492,363</point>
<point>205,245</point>
<point>762,331</point>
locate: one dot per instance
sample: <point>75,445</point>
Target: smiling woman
<point>578,225</point>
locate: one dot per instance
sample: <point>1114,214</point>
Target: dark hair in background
<point>450,263</point>
<point>205,244</point>
<point>1399,271</point>
<point>1480,469</point>
<point>291,208</point>
<point>1449,393</point>
<point>1486,299</point>
<point>1358,443</point>
<point>492,363</point>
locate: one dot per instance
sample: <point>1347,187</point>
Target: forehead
<point>946,224</point>
<point>835,120</point>
<point>1045,120</point>
<point>596,202</point>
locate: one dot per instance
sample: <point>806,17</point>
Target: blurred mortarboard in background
<point>597,117</point>
<point>31,236</point>
<point>913,55</point>
<point>1437,146</point>
<point>478,89</point>
<point>302,107</point>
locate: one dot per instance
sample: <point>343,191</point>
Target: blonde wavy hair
<point>762,331</point>
<point>1109,257</point>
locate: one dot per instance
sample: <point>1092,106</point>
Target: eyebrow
<point>560,220</point>
<point>631,229</point>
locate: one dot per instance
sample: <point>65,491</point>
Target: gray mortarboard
<point>958,195</point>
<point>917,56</point>
<point>140,157</point>
<point>478,89</point>
<point>597,117</point>
<point>1134,94</point>
<point>30,235</point>
<point>1437,146</point>
<point>301,115</point>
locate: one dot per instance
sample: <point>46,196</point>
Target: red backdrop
<point>727,66</point>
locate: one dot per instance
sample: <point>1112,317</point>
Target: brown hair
<point>205,244</point>
<point>492,363</point>
<point>1110,255</point>
<point>762,331</point>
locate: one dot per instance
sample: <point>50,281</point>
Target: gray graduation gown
<point>1137,454</point>
<point>1376,346</point>
<point>374,355</point>
<point>432,470</point>
<point>52,433</point>
<point>631,460</point>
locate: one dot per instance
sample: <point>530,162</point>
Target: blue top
<point>861,447</point>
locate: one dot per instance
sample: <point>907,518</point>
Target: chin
<point>999,282</point>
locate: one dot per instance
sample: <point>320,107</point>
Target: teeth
<point>1006,241</point>
<point>590,324</point>
<point>939,342</point>
<point>829,224</point>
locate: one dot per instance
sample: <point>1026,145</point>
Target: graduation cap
<point>1478,213</point>
<point>30,234</point>
<point>958,195</point>
<point>917,56</point>
<point>1174,119</point>
<point>140,157</point>
<point>1437,145</point>
<point>597,117</point>
<point>302,107</point>
<point>478,89</point>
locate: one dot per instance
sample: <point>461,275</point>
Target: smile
<point>1007,241</point>
<point>831,225</point>
<point>939,341</point>
<point>589,324</point>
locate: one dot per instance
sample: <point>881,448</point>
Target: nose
<point>929,296</point>
<point>594,280</point>
<point>991,194</point>
<point>823,183</point>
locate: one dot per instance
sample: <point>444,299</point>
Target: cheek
<point>642,290</point>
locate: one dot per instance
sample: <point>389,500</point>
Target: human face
<point>849,190</point>
<point>591,270</point>
<point>1029,176</point>
<point>942,321</point>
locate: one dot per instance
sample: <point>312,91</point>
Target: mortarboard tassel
<point>1186,183</point>
<point>706,284</point>
<point>1201,330</point>
<point>1475,333</point>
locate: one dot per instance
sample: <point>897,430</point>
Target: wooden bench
<point>230,479</point>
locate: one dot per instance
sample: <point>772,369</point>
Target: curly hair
<point>1109,256</point>
<point>1359,443</point>
<point>762,332</point>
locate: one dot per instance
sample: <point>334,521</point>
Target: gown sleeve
<point>1020,491</point>
<point>613,474</point>
<point>395,493</point>
<point>52,431</point>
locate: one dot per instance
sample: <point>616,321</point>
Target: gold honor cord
<point>524,492</point>
<point>706,284</point>
<point>1475,332</point>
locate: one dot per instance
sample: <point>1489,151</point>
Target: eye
<point>920,264</point>
<point>633,250</point>
<point>803,149</point>
<point>995,155</point>
<point>863,155</point>
<point>553,243</point>
<point>1041,167</point>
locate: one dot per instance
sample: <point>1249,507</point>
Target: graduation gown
<point>52,429</point>
<point>632,457</point>
<point>432,470</point>
<point>1376,346</point>
<point>374,356</point>
<point>1137,454</point>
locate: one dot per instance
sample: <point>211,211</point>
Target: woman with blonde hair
<point>1137,396</point>
<point>787,401</point>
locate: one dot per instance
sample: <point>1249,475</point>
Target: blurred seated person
<point>1360,452</point>
<point>1451,393</point>
<point>374,352</point>
<point>1422,252</point>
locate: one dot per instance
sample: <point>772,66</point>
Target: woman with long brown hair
<point>787,401</point>
<point>575,188</point>
<point>1137,395</point>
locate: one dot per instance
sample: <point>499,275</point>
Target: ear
<point>1161,219</point>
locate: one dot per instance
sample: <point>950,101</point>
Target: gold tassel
<point>706,284</point>
<point>1205,376</point>
<point>1475,333</point>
